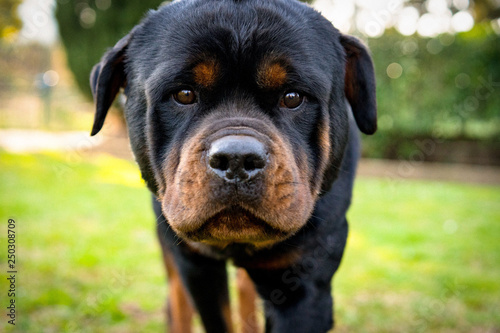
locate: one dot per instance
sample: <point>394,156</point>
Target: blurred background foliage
<point>444,88</point>
<point>90,27</point>
<point>9,21</point>
<point>442,85</point>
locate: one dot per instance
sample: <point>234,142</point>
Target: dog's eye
<point>291,100</point>
<point>185,96</point>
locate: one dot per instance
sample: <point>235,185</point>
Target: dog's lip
<point>235,225</point>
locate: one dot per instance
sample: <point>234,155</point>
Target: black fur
<point>156,59</point>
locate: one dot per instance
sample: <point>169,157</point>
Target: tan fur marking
<point>179,306</point>
<point>226,312</point>
<point>272,75</point>
<point>247,296</point>
<point>205,73</point>
<point>325,149</point>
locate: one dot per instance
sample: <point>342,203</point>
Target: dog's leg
<point>247,297</point>
<point>180,310</point>
<point>206,282</point>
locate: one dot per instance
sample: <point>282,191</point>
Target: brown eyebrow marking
<point>206,72</point>
<point>271,75</point>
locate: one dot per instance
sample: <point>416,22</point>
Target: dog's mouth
<point>236,225</point>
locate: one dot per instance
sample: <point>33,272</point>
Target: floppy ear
<point>360,84</point>
<point>106,79</point>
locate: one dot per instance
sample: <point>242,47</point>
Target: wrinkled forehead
<point>271,45</point>
<point>237,27</point>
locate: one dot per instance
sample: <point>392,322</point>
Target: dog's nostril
<point>253,162</point>
<point>219,162</point>
<point>237,157</point>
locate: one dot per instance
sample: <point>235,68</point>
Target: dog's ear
<point>106,79</point>
<point>360,84</point>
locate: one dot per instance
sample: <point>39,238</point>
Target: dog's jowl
<point>244,118</point>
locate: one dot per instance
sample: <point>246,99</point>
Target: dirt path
<point>401,170</point>
<point>117,145</point>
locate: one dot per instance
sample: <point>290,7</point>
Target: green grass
<point>421,257</point>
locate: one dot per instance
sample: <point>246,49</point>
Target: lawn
<point>421,257</point>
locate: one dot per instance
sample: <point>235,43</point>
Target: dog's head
<point>236,112</point>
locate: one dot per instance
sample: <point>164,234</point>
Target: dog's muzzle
<point>237,181</point>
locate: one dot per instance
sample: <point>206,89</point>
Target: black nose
<point>237,157</point>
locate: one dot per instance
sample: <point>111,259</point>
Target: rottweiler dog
<point>243,116</point>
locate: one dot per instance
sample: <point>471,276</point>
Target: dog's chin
<point>236,225</point>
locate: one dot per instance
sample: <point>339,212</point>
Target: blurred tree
<point>482,9</point>
<point>486,9</point>
<point>89,27</point>
<point>9,21</point>
<point>445,88</point>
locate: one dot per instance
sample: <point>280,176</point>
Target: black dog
<point>239,116</point>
